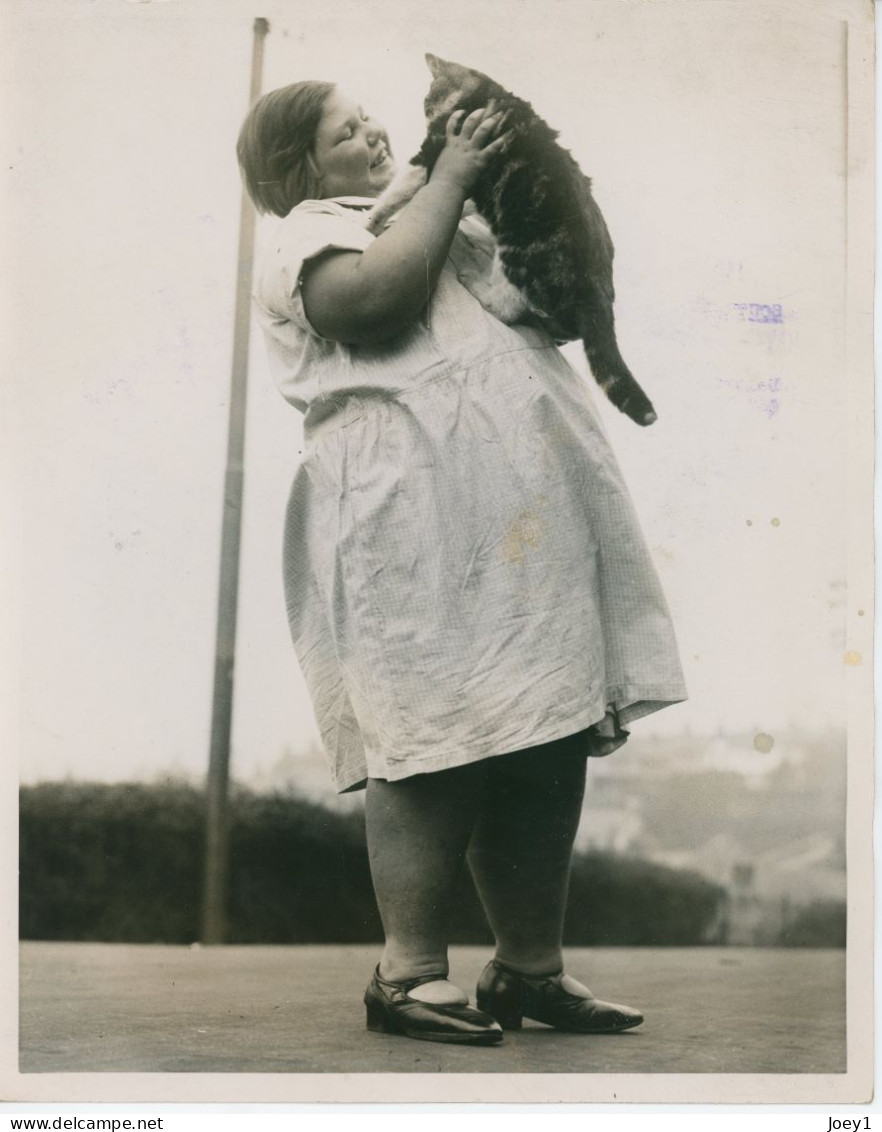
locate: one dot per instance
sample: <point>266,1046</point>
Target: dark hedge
<point>819,924</point>
<point>124,863</point>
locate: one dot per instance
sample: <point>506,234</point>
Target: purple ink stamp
<point>768,392</point>
<point>760,312</point>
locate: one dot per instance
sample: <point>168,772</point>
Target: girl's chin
<point>375,183</point>
<point>382,175</point>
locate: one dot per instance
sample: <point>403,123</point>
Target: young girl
<point>468,590</point>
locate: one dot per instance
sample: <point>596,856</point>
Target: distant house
<point>764,889</point>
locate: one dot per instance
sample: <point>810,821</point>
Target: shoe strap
<point>553,976</point>
<point>408,985</point>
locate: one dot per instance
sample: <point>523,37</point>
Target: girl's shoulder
<point>354,209</point>
<point>315,224</point>
<point>310,229</point>
<point>334,220</point>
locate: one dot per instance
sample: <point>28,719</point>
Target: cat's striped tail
<point>617,381</point>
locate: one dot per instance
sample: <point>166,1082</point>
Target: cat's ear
<point>435,64</point>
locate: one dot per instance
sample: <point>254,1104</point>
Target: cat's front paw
<point>406,185</point>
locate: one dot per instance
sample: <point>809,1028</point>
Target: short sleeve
<point>302,236</point>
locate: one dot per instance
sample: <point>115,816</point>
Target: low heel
<point>509,997</point>
<point>379,1021</point>
<point>508,1019</point>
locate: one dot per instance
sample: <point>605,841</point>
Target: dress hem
<point>639,703</point>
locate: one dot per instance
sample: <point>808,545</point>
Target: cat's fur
<point>553,244</point>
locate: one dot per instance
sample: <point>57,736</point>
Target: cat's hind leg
<point>501,297</point>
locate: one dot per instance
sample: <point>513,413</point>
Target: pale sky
<point>714,137</point>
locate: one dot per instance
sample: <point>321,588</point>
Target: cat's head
<point>457,88</point>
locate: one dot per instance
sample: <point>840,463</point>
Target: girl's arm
<point>367,296</point>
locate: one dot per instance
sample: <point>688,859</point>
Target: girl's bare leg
<point>418,830</point>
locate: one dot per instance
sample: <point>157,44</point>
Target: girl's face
<point>351,151</point>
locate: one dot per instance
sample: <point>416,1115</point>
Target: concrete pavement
<point>146,1009</point>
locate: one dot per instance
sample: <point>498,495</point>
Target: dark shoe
<point>390,1010</point>
<point>510,997</point>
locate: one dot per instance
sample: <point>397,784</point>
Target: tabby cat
<point>553,244</point>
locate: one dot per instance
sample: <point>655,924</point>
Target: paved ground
<point>142,1009</point>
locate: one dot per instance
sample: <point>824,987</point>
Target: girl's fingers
<point>453,123</point>
<point>481,124</point>
<point>503,117</point>
<point>472,122</point>
<point>497,144</point>
<point>488,128</point>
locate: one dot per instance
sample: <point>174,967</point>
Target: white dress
<point>465,574</point>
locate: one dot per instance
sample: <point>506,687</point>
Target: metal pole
<point>214,893</point>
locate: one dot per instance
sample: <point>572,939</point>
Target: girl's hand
<point>370,296</point>
<point>471,144</point>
